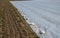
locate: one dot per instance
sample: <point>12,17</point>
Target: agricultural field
<point>44,14</point>
<point>12,24</point>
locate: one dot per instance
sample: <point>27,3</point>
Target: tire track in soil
<point>15,33</point>
<point>16,25</point>
<point>19,26</point>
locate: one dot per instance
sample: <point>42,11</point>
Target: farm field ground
<point>12,24</point>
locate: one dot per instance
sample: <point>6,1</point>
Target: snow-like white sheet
<point>44,13</point>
